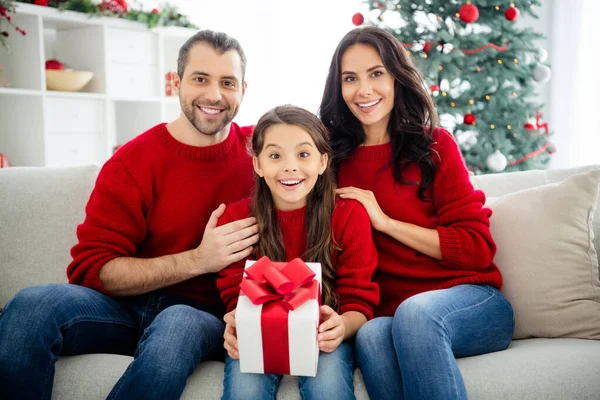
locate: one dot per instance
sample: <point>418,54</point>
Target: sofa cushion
<point>547,259</point>
<point>40,209</point>
<point>532,369</point>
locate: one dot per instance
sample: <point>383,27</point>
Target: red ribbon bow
<point>291,284</point>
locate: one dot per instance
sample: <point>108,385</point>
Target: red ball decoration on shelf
<point>470,119</point>
<point>512,13</point>
<point>468,13</point>
<point>358,19</point>
<point>427,47</point>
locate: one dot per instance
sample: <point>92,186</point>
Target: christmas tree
<point>482,71</point>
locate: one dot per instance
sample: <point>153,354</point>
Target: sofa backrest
<point>40,209</point>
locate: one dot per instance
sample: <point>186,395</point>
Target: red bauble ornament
<point>470,119</point>
<point>427,47</point>
<point>41,2</point>
<point>434,88</point>
<point>512,13</point>
<point>358,19</point>
<point>468,13</point>
<point>155,11</point>
<point>530,126</point>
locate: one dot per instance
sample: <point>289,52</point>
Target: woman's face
<point>367,87</point>
<point>290,163</point>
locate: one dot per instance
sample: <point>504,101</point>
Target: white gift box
<point>302,325</point>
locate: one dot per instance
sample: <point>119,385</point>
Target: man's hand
<point>331,331</point>
<point>230,336</point>
<point>224,245</point>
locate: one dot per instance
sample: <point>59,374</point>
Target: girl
<point>298,216</point>
<point>440,295</point>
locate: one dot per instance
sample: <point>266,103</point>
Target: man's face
<point>211,90</point>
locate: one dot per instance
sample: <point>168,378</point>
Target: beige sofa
<point>41,207</point>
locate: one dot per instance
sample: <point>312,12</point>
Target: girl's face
<point>367,87</point>
<point>290,164</point>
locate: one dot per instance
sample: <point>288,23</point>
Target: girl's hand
<point>230,336</point>
<point>332,330</point>
<point>365,197</point>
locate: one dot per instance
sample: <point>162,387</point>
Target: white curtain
<point>574,96</point>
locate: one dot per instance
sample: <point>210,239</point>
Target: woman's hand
<point>230,336</point>
<point>365,197</point>
<point>332,331</point>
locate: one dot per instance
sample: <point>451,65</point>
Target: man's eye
<point>274,156</point>
<point>229,84</point>
<point>304,154</point>
<point>199,79</point>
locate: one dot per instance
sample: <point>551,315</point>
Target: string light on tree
<point>496,161</point>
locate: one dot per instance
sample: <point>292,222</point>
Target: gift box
<point>277,317</point>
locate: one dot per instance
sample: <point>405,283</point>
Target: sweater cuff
<point>361,308</point>
<point>450,246</point>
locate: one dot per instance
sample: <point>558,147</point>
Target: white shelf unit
<point>126,96</point>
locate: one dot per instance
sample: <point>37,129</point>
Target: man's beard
<point>209,127</point>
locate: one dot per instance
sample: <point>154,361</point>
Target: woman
<point>440,295</point>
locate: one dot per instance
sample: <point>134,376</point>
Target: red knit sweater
<point>154,197</point>
<point>354,264</point>
<point>456,212</point>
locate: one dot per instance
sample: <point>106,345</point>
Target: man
<point>143,272</point>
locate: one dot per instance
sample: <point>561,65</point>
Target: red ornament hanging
<point>470,119</point>
<point>434,88</point>
<point>427,47</point>
<point>512,13</point>
<point>358,19</point>
<point>468,13</point>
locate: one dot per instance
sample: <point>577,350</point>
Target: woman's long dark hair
<point>319,204</point>
<point>413,117</point>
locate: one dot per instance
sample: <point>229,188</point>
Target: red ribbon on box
<point>279,287</point>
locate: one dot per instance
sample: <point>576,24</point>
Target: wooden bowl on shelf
<point>67,80</point>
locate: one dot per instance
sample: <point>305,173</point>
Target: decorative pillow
<point>548,262</point>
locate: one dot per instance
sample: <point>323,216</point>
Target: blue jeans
<point>413,355</point>
<point>167,335</point>
<point>333,380</point>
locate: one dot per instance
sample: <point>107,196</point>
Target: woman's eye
<point>304,154</point>
<point>349,79</point>
<point>377,73</point>
<point>274,156</point>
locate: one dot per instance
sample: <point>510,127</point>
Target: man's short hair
<point>219,41</point>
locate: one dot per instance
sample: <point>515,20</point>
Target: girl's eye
<point>274,156</point>
<point>304,154</point>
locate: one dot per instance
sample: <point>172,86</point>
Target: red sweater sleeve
<point>357,259</point>
<point>229,278</point>
<point>464,224</point>
<point>114,225</point>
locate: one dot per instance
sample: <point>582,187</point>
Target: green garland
<point>167,16</point>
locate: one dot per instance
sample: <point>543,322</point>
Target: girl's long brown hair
<point>319,204</point>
